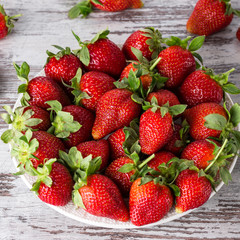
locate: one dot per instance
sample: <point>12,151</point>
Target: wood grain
<point>44,23</point>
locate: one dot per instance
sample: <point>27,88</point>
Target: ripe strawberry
<point>149,203</point>
<point>122,179</point>
<point>72,123</point>
<point>196,117</point>
<point>177,62</point>
<point>147,40</point>
<point>204,86</point>
<point>55,184</point>
<point>200,151</point>
<point>194,190</point>
<point>39,90</point>
<point>160,157</point>
<point>163,96</point>
<point>6,22</point>
<point>238,34</point>
<point>155,127</point>
<point>37,147</point>
<point>115,110</point>
<point>96,193</point>
<point>101,54</point>
<point>95,84</point>
<point>96,148</point>
<point>85,7</point>
<point>62,66</point>
<point>116,141</point>
<point>210,16</point>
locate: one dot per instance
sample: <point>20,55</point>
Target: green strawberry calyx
<point>173,110</point>
<point>83,52</point>
<point>62,52</point>
<point>42,172</point>
<point>10,20</point>
<point>229,10</point>
<point>81,168</point>
<point>193,46</point>
<point>23,149</point>
<point>20,121</point>
<point>63,123</point>
<point>155,40</point>
<point>222,80</point>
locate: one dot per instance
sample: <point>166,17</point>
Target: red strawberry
<point>149,203</point>
<point>238,34</point>
<point>177,62</point>
<point>40,89</point>
<point>163,96</point>
<point>37,147</point>
<point>62,66</point>
<point>102,55</point>
<point>55,184</point>
<point>96,148</point>
<point>72,123</point>
<point>85,7</point>
<point>155,128</point>
<point>160,157</point>
<point>200,151</point>
<point>210,16</point>
<point>95,84</point>
<point>115,110</point>
<point>116,141</point>
<point>147,40</point>
<point>196,117</point>
<point>6,22</point>
<point>121,179</point>
<point>204,86</point>
<point>194,190</point>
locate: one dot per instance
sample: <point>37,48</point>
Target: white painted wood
<point>24,216</point>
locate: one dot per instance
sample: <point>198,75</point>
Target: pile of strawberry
<point>97,129</point>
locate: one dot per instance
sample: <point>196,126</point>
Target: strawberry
<point>149,203</point>
<point>160,157</point>
<point>101,54</point>
<point>155,127</point>
<point>210,16</point>
<point>194,190</point>
<point>54,184</point>
<point>200,151</point>
<point>85,7</point>
<point>23,118</point>
<point>177,62</point>
<point>147,40</point>
<point>96,193</point>
<point>238,34</point>
<point>72,123</point>
<point>197,117</point>
<point>163,96</point>
<point>62,66</point>
<point>204,86</point>
<point>36,147</point>
<point>39,90</point>
<point>6,22</point>
<point>96,148</point>
<point>90,87</point>
<point>115,110</point>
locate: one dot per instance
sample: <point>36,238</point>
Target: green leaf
<point>84,55</point>
<point>231,88</point>
<point>77,199</point>
<point>54,105</point>
<point>22,88</point>
<point>97,2</point>
<point>6,117</point>
<point>235,114</point>
<point>128,167</point>
<point>100,35</point>
<point>198,57</point>
<point>145,180</point>
<point>83,8</point>
<point>215,121</point>
<point>196,43</point>
<point>137,53</point>
<point>177,109</point>
<point>7,136</point>
<point>175,189</point>
<point>133,81</point>
<point>225,175</point>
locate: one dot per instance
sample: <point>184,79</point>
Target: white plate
<point>81,215</point>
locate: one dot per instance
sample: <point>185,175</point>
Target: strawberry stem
<point>216,157</point>
<point>146,161</point>
<point>155,64</point>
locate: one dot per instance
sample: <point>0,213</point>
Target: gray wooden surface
<point>24,216</point>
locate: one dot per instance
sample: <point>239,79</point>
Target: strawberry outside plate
<point>81,215</point>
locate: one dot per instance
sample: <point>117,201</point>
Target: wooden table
<point>44,23</point>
